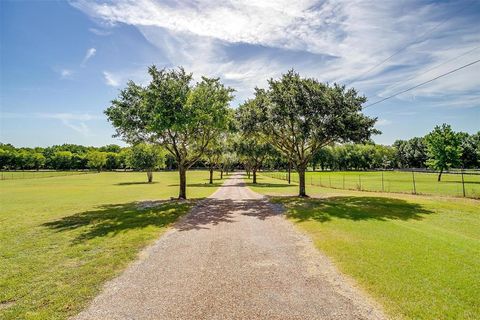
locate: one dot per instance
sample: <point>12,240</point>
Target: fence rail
<point>15,175</point>
<point>413,182</point>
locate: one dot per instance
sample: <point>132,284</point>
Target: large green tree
<point>213,157</point>
<point>97,160</point>
<point>170,111</point>
<point>254,152</point>
<point>146,157</point>
<point>443,148</point>
<point>299,116</point>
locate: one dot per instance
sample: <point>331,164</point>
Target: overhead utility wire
<point>434,67</point>
<point>409,44</point>
<point>425,82</point>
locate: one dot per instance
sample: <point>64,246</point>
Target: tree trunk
<point>248,174</point>
<point>301,182</point>
<point>440,175</point>
<point>221,174</point>
<point>183,182</point>
<point>289,172</point>
<point>254,171</point>
<point>149,176</point>
<point>211,175</point>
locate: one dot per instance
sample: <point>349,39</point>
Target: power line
<point>425,82</point>
<point>409,44</point>
<point>435,67</point>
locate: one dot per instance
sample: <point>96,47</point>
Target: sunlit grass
<point>392,181</point>
<point>61,238</point>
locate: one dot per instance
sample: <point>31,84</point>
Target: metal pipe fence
<point>413,182</point>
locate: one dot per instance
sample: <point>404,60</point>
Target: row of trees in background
<point>295,123</point>
<point>413,153</point>
<point>76,157</point>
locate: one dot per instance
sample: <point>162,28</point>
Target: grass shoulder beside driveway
<point>418,256</point>
<point>61,238</point>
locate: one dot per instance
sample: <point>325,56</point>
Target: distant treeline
<point>411,153</point>
<point>65,157</point>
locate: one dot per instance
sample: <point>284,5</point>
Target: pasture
<point>391,181</point>
<point>15,175</point>
<point>418,256</point>
<point>62,237</point>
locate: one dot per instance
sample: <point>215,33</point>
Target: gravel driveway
<point>233,257</point>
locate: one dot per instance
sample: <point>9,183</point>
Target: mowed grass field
<point>418,256</point>
<point>393,181</point>
<point>14,175</point>
<point>61,238</point>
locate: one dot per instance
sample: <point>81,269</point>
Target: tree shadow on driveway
<point>211,212</point>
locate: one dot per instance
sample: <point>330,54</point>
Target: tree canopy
<point>170,111</point>
<point>146,157</point>
<point>444,148</point>
<point>299,116</point>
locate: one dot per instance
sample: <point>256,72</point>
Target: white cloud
<point>100,32</point>
<point>74,121</point>
<point>383,122</point>
<point>88,55</point>
<point>67,116</point>
<point>111,79</point>
<point>341,40</point>
<point>66,73</point>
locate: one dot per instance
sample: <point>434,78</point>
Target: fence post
<point>414,186</point>
<point>463,184</point>
<point>383,186</point>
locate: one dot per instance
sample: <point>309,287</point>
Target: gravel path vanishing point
<point>234,256</point>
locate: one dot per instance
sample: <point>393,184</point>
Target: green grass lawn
<point>61,238</point>
<point>418,256</point>
<point>14,175</point>
<point>393,181</point>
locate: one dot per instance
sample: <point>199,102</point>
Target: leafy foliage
<point>299,116</point>
<point>170,111</point>
<point>444,148</point>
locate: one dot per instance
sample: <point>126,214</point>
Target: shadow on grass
<point>135,183</point>
<point>215,184</point>
<point>352,208</point>
<point>110,220</point>
<point>269,185</point>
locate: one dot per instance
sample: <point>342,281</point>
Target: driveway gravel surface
<point>234,256</point>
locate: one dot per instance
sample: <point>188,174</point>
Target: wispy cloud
<point>66,73</point>
<point>111,79</point>
<point>383,122</point>
<point>329,40</point>
<point>100,32</point>
<point>74,121</point>
<point>88,55</point>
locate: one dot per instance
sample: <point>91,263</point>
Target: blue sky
<point>63,61</point>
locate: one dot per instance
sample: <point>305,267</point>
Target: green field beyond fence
<point>14,175</point>
<point>391,181</point>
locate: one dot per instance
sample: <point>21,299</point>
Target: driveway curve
<point>234,256</point>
